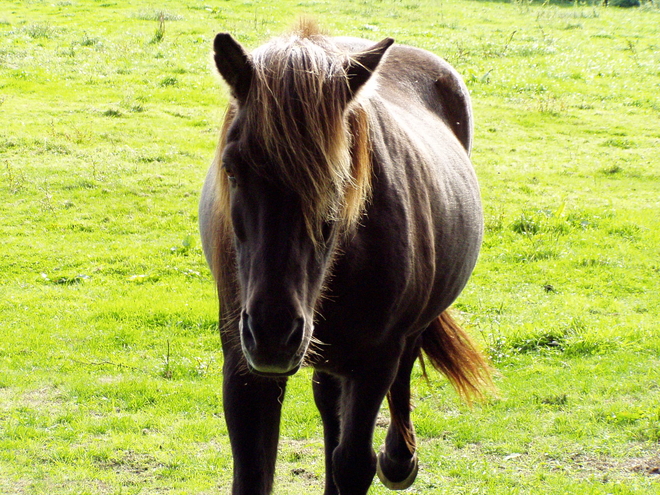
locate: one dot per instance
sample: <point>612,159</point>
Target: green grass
<point>109,355</point>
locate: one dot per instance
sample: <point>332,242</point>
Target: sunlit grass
<point>110,362</point>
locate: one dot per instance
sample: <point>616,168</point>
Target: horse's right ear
<point>363,64</point>
<point>234,65</point>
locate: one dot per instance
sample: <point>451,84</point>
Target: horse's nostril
<point>249,340</point>
<point>297,333</point>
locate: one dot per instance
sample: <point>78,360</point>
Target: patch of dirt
<point>649,466</point>
<point>589,464</point>
<point>382,421</point>
<point>17,487</point>
<point>45,398</point>
<point>580,466</point>
<point>303,473</point>
<point>132,463</point>
<point>303,460</point>
<point>24,487</point>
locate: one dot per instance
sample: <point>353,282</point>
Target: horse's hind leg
<point>327,392</point>
<point>397,462</point>
<point>252,408</point>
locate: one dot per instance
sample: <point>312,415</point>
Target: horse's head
<point>296,178</point>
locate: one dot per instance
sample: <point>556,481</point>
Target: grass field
<point>109,354</point>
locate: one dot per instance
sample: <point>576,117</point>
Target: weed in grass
<point>65,280</point>
<point>494,223</point>
<point>169,81</point>
<point>112,112</point>
<point>560,400</point>
<point>612,169</point>
<point>16,179</point>
<point>89,41</point>
<point>549,104</point>
<point>497,346</point>
<point>160,31</point>
<point>619,143</point>
<point>526,224</point>
<point>187,244</point>
<point>158,15</point>
<point>46,201</point>
<point>628,231</point>
<point>40,31</point>
<point>167,371</point>
<point>133,104</point>
<point>533,343</point>
<point>596,262</point>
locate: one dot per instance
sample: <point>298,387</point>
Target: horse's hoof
<point>402,484</point>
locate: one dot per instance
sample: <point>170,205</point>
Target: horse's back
<point>427,199</point>
<point>408,73</point>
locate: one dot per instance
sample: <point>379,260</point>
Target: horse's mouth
<point>266,374</point>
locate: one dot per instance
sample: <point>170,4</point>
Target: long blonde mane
<point>300,112</point>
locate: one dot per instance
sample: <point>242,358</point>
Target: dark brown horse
<point>341,218</point>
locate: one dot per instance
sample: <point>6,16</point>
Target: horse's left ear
<point>234,65</point>
<point>363,64</point>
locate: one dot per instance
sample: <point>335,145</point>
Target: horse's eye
<point>231,177</point>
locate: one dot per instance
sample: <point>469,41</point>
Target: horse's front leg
<point>327,393</point>
<point>354,460</point>
<point>252,406</point>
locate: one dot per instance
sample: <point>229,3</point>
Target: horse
<point>340,218</point>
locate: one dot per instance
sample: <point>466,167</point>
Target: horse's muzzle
<point>273,348</point>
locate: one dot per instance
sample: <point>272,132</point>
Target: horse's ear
<point>363,64</point>
<point>234,65</point>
